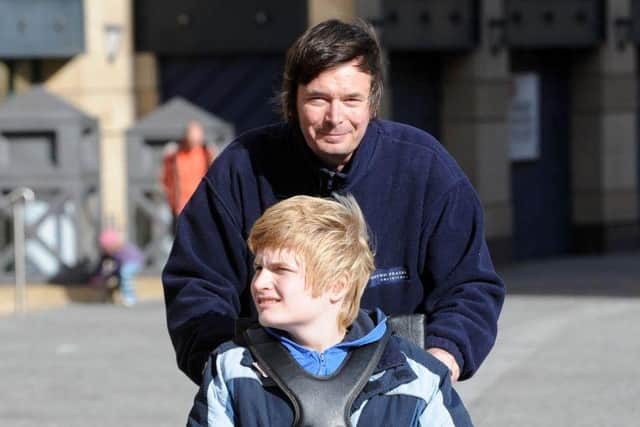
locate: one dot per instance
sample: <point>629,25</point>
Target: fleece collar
<point>328,180</point>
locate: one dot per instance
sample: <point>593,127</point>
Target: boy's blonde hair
<point>329,236</point>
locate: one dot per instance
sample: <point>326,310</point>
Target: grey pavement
<point>91,364</point>
<point>568,347</point>
<point>566,355</point>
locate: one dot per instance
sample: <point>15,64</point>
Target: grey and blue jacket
<point>409,387</point>
<point>425,219</point>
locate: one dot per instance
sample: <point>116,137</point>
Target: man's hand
<point>445,357</point>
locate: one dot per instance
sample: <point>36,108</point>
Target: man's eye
<point>353,101</point>
<point>316,100</point>
<point>257,267</point>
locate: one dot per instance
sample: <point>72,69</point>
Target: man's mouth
<point>332,133</point>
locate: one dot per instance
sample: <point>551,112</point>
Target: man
<point>426,220</point>
<point>183,166</point>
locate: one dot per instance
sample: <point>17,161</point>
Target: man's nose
<point>334,112</point>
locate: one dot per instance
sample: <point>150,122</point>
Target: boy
<point>316,359</point>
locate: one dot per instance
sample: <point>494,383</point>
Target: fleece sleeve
<point>212,405</point>
<point>204,279</point>
<point>467,295</point>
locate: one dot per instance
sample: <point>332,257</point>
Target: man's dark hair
<point>325,46</point>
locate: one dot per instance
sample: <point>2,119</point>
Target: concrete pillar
<point>321,10</point>
<point>4,81</point>
<point>474,127</point>
<point>146,86</point>
<point>102,84</point>
<point>22,76</point>
<point>604,143</point>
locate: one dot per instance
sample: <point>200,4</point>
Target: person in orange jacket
<point>183,166</point>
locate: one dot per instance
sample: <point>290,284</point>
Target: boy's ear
<point>339,289</point>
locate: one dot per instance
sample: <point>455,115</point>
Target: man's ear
<point>340,288</point>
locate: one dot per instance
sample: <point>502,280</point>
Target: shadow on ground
<point>88,294</point>
<point>597,276</point>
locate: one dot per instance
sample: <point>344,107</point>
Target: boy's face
<point>282,299</point>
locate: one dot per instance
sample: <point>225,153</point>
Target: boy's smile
<point>263,301</point>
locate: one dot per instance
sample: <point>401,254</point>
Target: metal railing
<point>18,198</point>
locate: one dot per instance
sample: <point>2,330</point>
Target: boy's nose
<point>262,280</point>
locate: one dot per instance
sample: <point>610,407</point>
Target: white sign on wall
<point>524,117</point>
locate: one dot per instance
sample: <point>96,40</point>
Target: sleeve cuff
<point>445,344</point>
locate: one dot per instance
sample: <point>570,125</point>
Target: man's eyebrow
<point>313,93</point>
<point>316,93</point>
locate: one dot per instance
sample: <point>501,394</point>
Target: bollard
<point>19,198</point>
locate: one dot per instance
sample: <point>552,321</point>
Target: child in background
<point>312,263</point>
<point>119,262</point>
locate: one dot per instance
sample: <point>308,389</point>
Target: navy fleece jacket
<point>426,226</point>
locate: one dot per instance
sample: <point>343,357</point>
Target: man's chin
<point>334,147</point>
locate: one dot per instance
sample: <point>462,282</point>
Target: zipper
<point>330,181</point>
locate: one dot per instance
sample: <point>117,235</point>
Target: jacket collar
<point>366,328</point>
<point>325,181</point>
<point>392,370</point>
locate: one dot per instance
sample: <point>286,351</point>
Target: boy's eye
<point>285,269</point>
<point>257,267</point>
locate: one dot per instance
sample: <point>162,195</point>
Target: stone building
<point>536,99</point>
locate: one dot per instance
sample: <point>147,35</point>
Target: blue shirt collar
<point>367,328</point>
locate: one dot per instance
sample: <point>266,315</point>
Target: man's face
<point>281,297</point>
<point>333,111</point>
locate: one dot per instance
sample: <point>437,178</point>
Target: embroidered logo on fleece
<point>385,276</point>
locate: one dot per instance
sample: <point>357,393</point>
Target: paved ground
<point>566,355</point>
<point>568,347</point>
<point>90,364</point>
